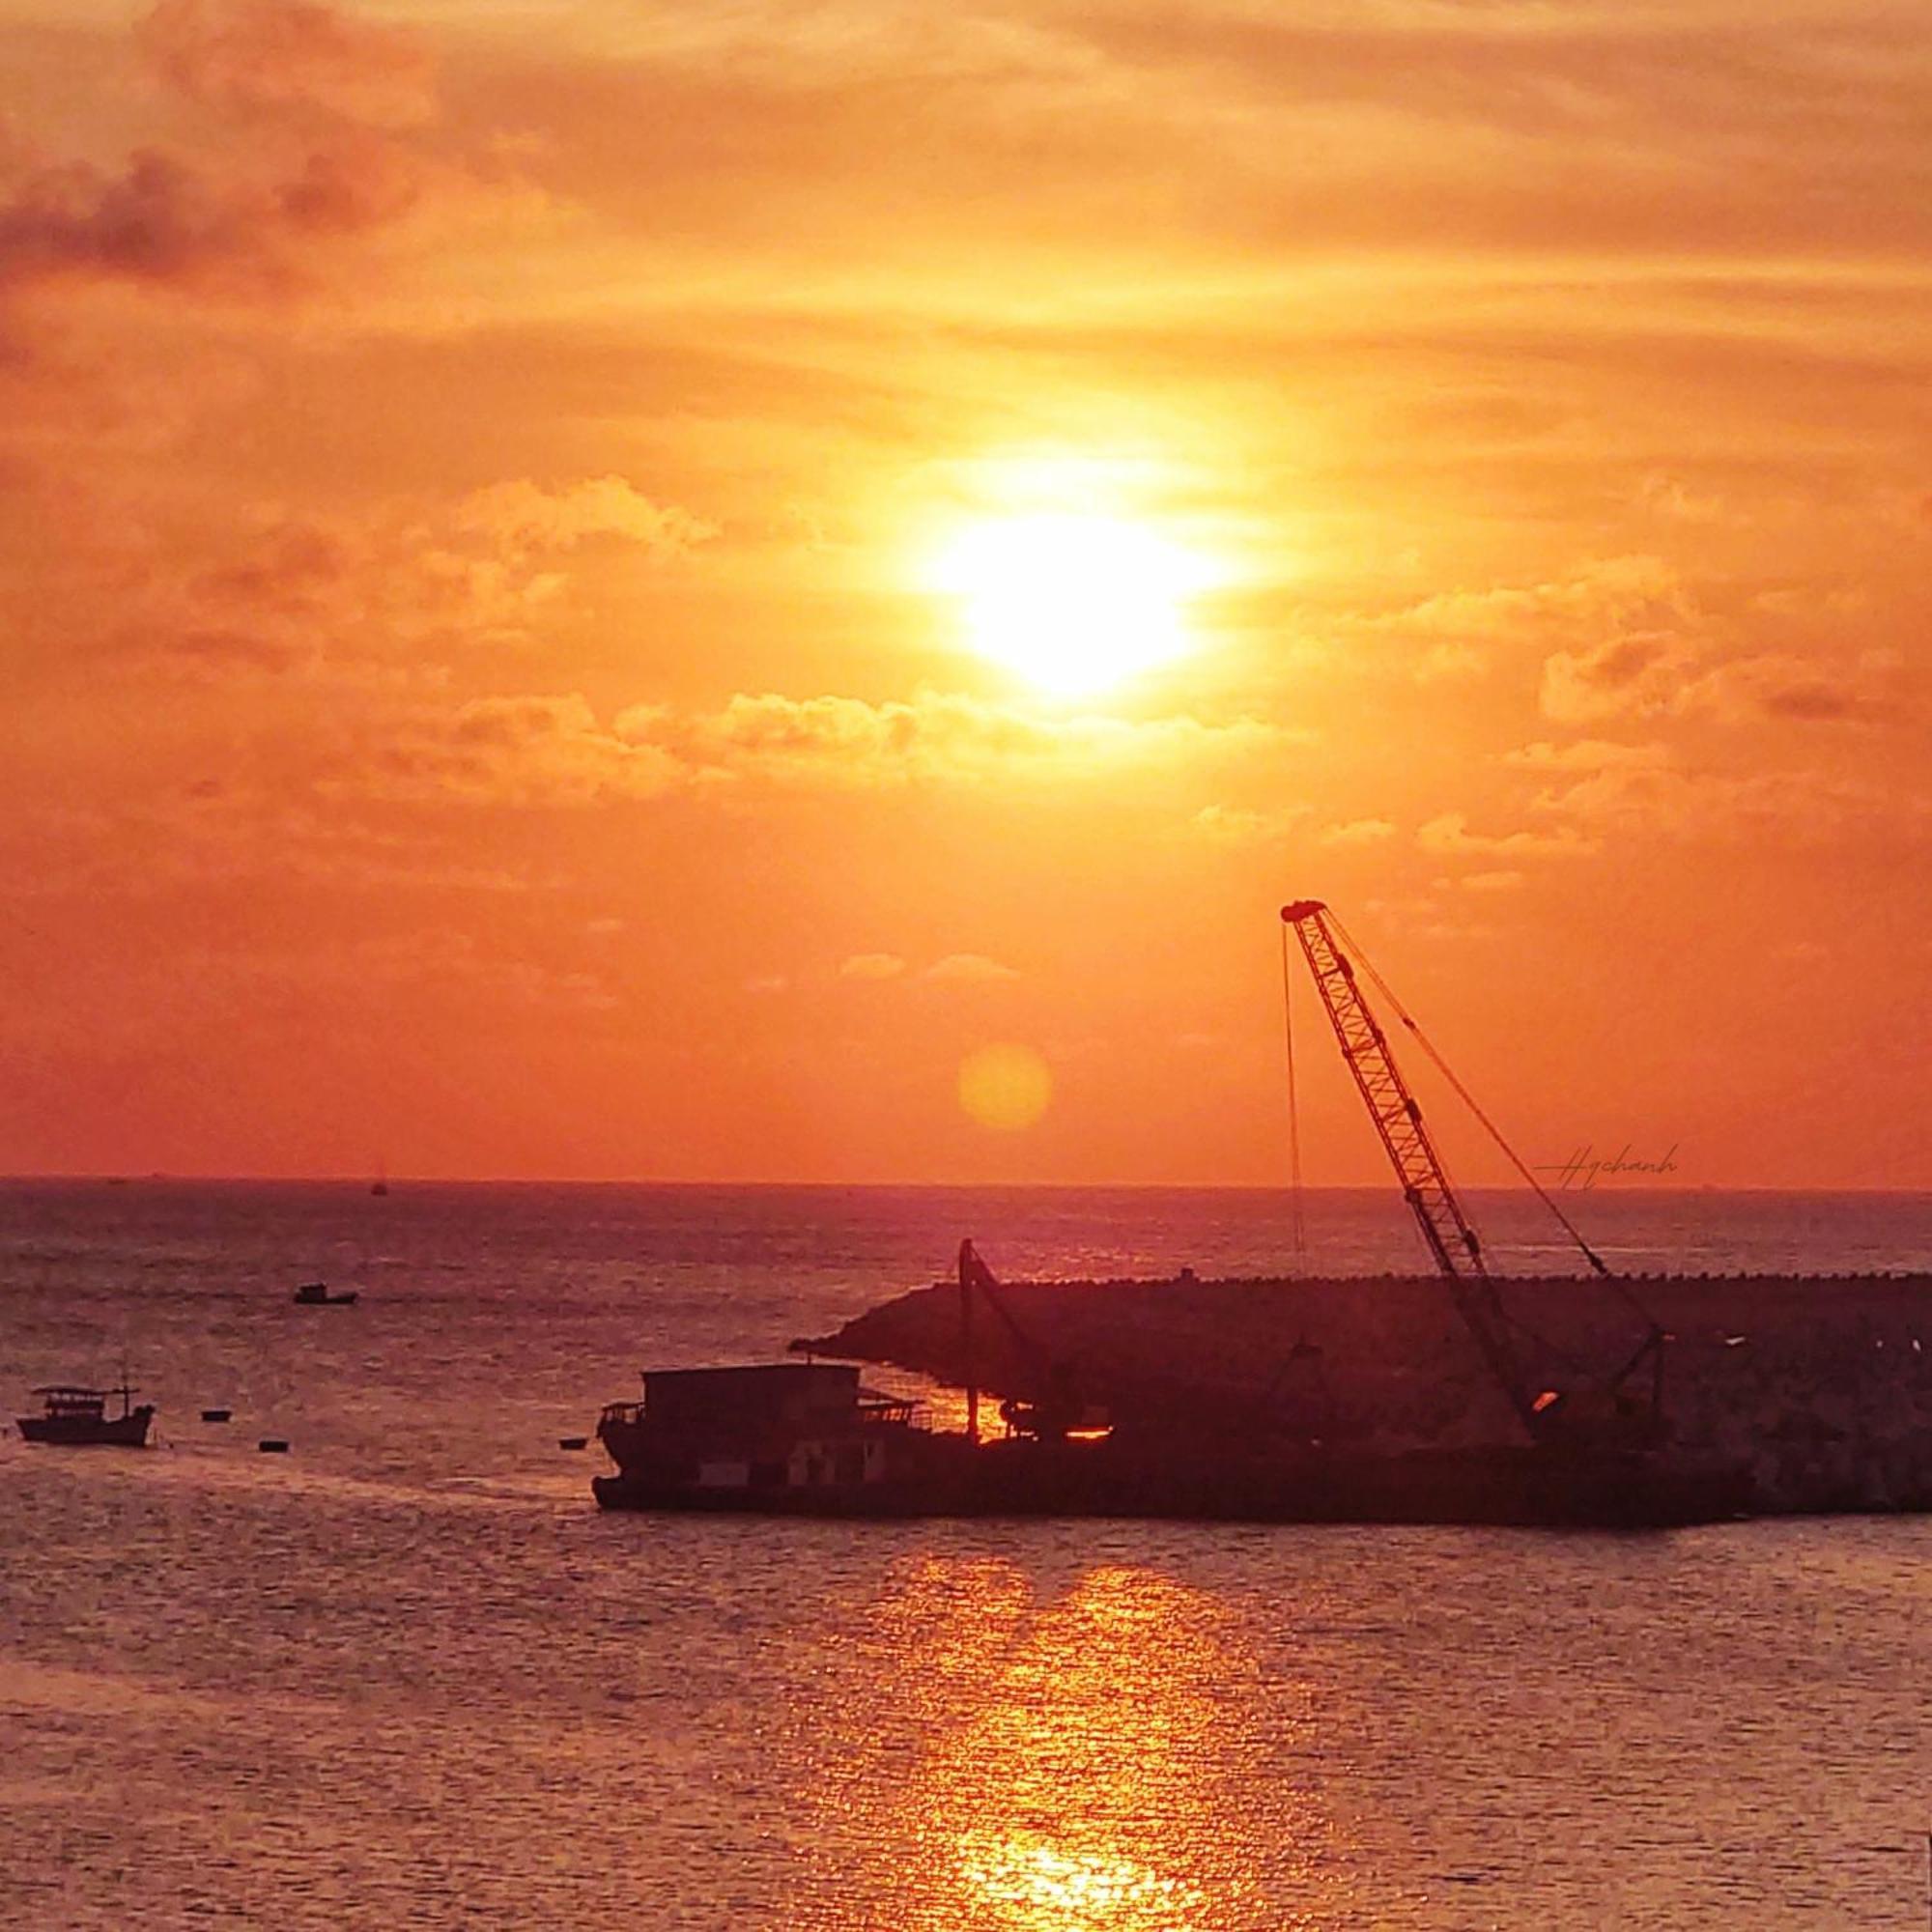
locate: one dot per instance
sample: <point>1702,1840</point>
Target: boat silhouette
<point>76,1417</point>
<point>317,1295</point>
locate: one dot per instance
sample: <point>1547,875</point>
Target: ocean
<point>408,1675</point>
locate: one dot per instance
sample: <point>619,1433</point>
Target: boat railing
<point>870,1411</point>
<point>72,1401</point>
<point>894,1412</point>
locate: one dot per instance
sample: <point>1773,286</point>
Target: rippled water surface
<point>408,1675</point>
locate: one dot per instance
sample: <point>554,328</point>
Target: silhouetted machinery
<point>1579,1411</point>
<point>1613,1410</point>
<point>1058,1410</point>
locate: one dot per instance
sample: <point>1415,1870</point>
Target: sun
<point>1074,602</point>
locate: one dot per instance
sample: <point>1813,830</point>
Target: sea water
<point>408,1675</point>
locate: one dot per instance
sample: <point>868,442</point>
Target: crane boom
<point>1451,1240</point>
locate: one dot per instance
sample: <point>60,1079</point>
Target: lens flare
<point>1005,1087</point>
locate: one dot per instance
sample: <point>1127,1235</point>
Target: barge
<point>809,1439</point>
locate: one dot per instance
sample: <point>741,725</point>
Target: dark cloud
<point>300,148</point>
<point>276,57</point>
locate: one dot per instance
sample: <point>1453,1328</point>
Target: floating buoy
<point>571,1441</point>
<point>273,1445</point>
<point>215,1415</point>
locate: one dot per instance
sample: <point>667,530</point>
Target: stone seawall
<point>1823,1384</point>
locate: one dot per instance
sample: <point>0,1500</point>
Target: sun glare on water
<point>1074,602</point>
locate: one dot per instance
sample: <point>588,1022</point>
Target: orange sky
<point>482,688</point>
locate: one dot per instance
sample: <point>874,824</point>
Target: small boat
<point>216,1414</point>
<point>273,1445</point>
<point>78,1417</point>
<point>573,1441</point>
<point>316,1295</point>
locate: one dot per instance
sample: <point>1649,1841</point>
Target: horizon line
<point>397,1183</point>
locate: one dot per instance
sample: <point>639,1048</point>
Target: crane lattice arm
<point>1451,1240</point>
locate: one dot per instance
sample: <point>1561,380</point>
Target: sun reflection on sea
<point>1074,1761</point>
<point>1030,1881</point>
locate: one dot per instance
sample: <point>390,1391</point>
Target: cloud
<point>162,221</point>
<point>548,751</point>
<point>522,516</point>
<point>1802,806</point>
<point>1809,690</point>
<point>212,831</point>
<point>968,969</point>
<point>933,737</point>
<point>1664,675</point>
<point>1608,588</point>
<point>1671,499</point>
<point>1235,825</point>
<point>954,969</point>
<point>1649,674</point>
<point>400,584</point>
<point>1449,834</point>
<point>1575,71</point>
<point>554,750</point>
<point>439,959</point>
<point>269,57</point>
<point>871,966</point>
<point>1586,754</point>
<point>1331,134</point>
<point>1357,831</point>
<point>1454,634</point>
<point>301,152</point>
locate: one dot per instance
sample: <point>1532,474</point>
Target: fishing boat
<point>317,1295</point>
<point>78,1418</point>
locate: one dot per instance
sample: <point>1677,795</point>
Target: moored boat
<point>801,1438</point>
<point>317,1295</point>
<point>808,1439</point>
<point>76,1417</point>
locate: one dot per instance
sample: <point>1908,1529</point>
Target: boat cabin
<point>74,1405</point>
<point>789,1426</point>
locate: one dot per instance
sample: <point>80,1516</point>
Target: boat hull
<point>1528,1487</point>
<point>84,1431</point>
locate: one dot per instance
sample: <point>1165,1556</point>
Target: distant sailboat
<point>381,1183</point>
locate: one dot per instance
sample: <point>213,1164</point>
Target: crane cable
<point>1495,1132</point>
<point>1296,1226</point>
<point>1502,1310</point>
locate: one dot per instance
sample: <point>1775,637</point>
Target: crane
<point>1055,1414</point>
<point>1452,1242</point>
